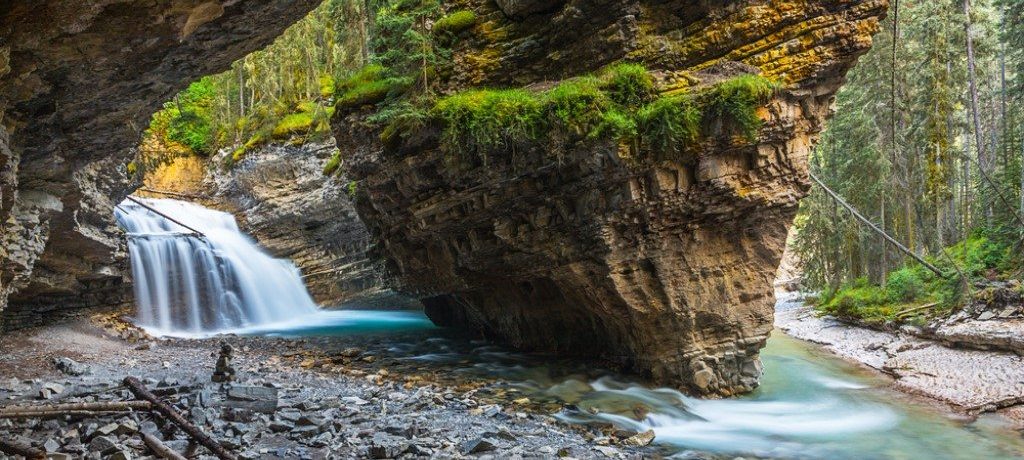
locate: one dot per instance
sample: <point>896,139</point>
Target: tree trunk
<point>983,160</point>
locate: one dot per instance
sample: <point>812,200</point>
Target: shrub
<point>373,92</point>
<point>295,123</point>
<point>865,302</point>
<point>480,120</point>
<point>739,99</point>
<point>327,86</point>
<point>668,125</point>
<point>399,119</point>
<point>455,22</point>
<point>578,105</point>
<point>905,285</point>
<point>366,74</point>
<point>615,125</point>
<point>628,84</point>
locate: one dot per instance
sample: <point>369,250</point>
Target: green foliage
<point>186,119</point>
<point>739,98</point>
<point>285,90</point>
<point>578,105</point>
<point>905,284</point>
<point>478,121</point>
<point>628,84</point>
<point>455,22</point>
<point>402,43</point>
<point>353,188</point>
<point>608,105</point>
<point>294,123</point>
<point>615,125</point>
<point>978,257</point>
<point>860,300</point>
<point>399,119</point>
<point>668,125</point>
<point>374,91</point>
<point>333,163</point>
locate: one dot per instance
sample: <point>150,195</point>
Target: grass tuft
<point>739,99</point>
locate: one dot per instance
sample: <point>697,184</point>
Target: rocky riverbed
<point>291,399</point>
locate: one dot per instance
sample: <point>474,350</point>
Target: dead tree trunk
<point>140,391</point>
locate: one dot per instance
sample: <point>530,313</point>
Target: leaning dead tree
<point>853,211</point>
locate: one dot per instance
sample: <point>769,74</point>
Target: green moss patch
<point>739,99</point>
<point>619,103</point>
<point>455,22</point>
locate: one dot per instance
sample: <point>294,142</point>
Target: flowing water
<point>194,285</point>
<point>810,404</point>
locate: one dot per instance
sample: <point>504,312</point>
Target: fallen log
<point>16,448</point>
<point>140,391</point>
<point>159,448</point>
<point>916,309</point>
<point>82,408</point>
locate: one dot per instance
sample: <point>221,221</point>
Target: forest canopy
<point>927,143</point>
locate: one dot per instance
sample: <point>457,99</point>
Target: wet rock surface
<point>291,399</point>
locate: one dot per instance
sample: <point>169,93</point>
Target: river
<point>810,405</point>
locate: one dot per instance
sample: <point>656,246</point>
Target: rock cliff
<point>78,83</point>
<point>283,199</point>
<point>662,267</point>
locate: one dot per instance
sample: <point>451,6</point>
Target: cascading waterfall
<point>192,285</point>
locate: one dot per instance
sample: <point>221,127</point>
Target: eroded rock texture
<point>78,82</point>
<point>283,199</point>
<point>663,268</point>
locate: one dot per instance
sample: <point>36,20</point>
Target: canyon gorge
<point>663,266</point>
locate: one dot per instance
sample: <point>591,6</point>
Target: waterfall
<point>192,285</point>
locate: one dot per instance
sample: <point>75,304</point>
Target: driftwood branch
<point>140,391</point>
<point>15,448</point>
<point>165,216</point>
<point>83,408</point>
<point>159,448</point>
<point>916,309</point>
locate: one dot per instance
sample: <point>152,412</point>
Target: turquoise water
<point>810,405</point>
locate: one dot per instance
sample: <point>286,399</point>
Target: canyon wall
<point>282,198</point>
<point>78,83</point>
<point>662,267</point>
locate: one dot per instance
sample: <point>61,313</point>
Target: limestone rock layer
<point>663,268</point>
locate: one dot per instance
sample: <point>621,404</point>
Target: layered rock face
<point>283,199</point>
<point>78,83</point>
<point>664,268</point>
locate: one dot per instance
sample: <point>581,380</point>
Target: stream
<point>810,404</point>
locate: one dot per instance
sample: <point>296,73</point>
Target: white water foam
<point>188,285</point>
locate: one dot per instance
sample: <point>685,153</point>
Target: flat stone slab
<point>1004,334</point>
<point>974,380</point>
<point>256,399</point>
